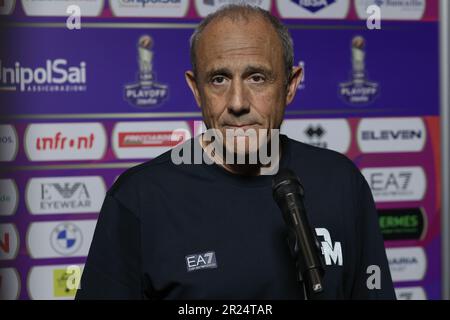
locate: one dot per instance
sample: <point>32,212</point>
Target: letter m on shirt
<point>332,253</point>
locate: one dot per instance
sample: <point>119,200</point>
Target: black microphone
<point>288,194</point>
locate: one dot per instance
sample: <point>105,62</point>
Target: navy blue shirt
<point>197,231</point>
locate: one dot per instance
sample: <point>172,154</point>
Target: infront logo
<point>65,141</point>
<point>331,252</point>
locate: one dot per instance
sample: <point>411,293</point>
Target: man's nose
<point>238,101</point>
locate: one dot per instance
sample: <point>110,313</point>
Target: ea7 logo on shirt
<point>205,260</point>
<point>331,252</point>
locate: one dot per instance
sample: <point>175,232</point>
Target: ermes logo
<point>199,261</point>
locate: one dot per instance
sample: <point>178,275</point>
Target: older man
<point>212,230</point>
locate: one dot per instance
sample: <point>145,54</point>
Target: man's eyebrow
<point>247,71</point>
<point>219,71</point>
<point>258,69</point>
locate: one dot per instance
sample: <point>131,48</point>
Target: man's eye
<point>257,78</point>
<point>218,80</point>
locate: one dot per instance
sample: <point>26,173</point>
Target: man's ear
<point>190,79</point>
<point>293,83</point>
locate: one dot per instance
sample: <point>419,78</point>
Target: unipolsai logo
<point>359,91</point>
<point>56,75</point>
<point>66,238</point>
<point>146,92</point>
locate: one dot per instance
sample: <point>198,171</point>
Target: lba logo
<point>391,135</point>
<point>321,9</point>
<point>9,241</point>
<point>65,194</point>
<point>396,183</point>
<point>65,141</point>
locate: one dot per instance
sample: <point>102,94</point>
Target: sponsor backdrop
<point>78,107</point>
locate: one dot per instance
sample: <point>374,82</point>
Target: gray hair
<point>239,11</point>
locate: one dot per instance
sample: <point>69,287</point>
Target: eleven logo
<point>56,282</point>
<point>149,139</point>
<point>332,134</point>
<point>149,8</point>
<point>393,10</point>
<point>60,238</point>
<point>391,135</point>
<point>57,8</point>
<point>83,194</point>
<point>9,144</point>
<point>313,9</point>
<point>65,141</point>
<point>393,184</point>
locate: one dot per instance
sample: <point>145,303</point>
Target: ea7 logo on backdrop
<point>65,141</point>
<point>331,252</point>
<point>147,92</point>
<point>396,183</point>
<point>205,260</point>
<point>55,195</point>
<point>391,135</point>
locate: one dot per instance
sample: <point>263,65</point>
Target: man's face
<point>241,81</point>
